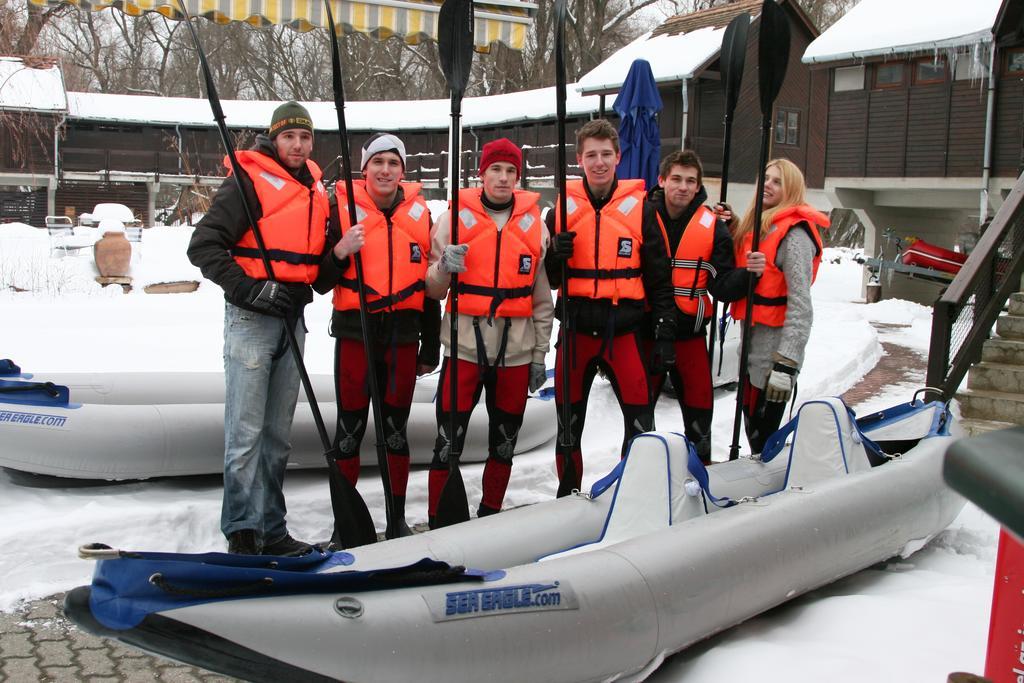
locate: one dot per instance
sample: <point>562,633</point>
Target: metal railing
<point>963,316</point>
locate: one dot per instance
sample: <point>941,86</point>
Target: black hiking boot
<point>243,542</point>
<point>398,528</point>
<point>286,546</point>
<point>486,511</point>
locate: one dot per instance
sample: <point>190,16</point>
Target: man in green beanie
<point>284,192</point>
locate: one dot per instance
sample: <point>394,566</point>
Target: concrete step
<point>974,427</point>
<point>999,350</point>
<point>1010,326</point>
<point>997,377</point>
<point>1017,303</point>
<point>992,405</point>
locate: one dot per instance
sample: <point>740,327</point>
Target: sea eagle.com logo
<point>505,600</point>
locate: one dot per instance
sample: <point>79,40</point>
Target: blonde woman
<point>782,311</point>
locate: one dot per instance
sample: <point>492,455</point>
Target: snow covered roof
<point>31,85</point>
<point>882,27</point>
<point>676,50</point>
<point>672,58</point>
<point>393,115</point>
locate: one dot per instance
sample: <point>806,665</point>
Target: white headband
<point>382,142</point>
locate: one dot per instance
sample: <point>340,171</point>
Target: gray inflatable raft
<point>140,425</point>
<point>592,587</point>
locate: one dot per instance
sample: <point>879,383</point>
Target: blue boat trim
<point>126,589</point>
<point>34,393</point>
<point>9,367</point>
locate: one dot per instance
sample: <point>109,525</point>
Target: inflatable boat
<point>925,255</point>
<point>119,426</point>
<point>597,586</point>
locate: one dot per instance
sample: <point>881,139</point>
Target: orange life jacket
<point>691,263</point>
<point>606,252</point>
<point>395,254</point>
<point>293,224</point>
<point>501,265</point>
<point>770,292</point>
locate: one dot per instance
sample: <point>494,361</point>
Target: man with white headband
<point>393,236</point>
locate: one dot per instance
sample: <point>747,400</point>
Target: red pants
<point>396,377</point>
<point>622,363</point>
<point>691,379</point>
<point>506,401</point>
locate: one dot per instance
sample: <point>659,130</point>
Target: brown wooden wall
<point>1008,142</point>
<point>804,91</point>
<point>932,130</point>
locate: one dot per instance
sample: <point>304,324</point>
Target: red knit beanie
<point>502,149</point>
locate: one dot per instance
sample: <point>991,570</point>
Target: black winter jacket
<point>398,327</point>
<point>729,283</point>
<point>599,316</point>
<point>225,223</point>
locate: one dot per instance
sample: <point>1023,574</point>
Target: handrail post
<point>938,347</point>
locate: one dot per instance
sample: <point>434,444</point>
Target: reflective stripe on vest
<point>691,264</point>
<point>293,221</point>
<point>606,260</point>
<point>395,255</point>
<point>501,265</point>
<point>771,293</point>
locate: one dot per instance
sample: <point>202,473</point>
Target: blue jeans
<point>262,387</point>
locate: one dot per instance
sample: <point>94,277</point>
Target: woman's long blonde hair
<point>793,189</point>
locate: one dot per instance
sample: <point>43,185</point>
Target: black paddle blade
<point>733,57</point>
<point>452,508</point>
<point>455,43</point>
<point>560,79</point>
<point>353,525</point>
<point>772,53</point>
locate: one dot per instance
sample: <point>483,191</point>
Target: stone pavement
<point>37,643</point>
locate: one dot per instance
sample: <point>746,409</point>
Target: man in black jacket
<point>615,264</point>
<point>288,201</point>
<point>703,266</point>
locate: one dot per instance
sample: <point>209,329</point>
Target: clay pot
<point>113,254</point>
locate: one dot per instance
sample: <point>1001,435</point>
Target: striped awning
<point>502,21</point>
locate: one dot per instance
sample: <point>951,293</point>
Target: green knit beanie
<point>290,115</point>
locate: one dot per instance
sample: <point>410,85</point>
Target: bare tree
<point>111,52</point>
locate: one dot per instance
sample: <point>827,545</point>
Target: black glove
<point>663,357</point>
<point>561,245</point>
<point>270,298</point>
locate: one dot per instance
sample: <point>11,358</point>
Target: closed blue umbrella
<point>637,105</point>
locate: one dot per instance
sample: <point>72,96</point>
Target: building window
<point>928,71</point>
<point>849,78</point>
<point>787,127</point>
<point>1015,61</point>
<point>889,75</point>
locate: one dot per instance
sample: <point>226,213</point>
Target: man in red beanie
<point>504,316</point>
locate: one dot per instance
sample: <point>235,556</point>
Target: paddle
<point>352,522</point>
<point>773,56</point>
<point>732,59</point>
<point>567,482</point>
<point>395,527</point>
<point>455,48</point>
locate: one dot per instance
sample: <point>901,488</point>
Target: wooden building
<point>684,56</point>
<point>924,134</point>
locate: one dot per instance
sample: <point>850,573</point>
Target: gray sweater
<point>794,258</point>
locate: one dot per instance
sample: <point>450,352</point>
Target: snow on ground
<point>913,619</point>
